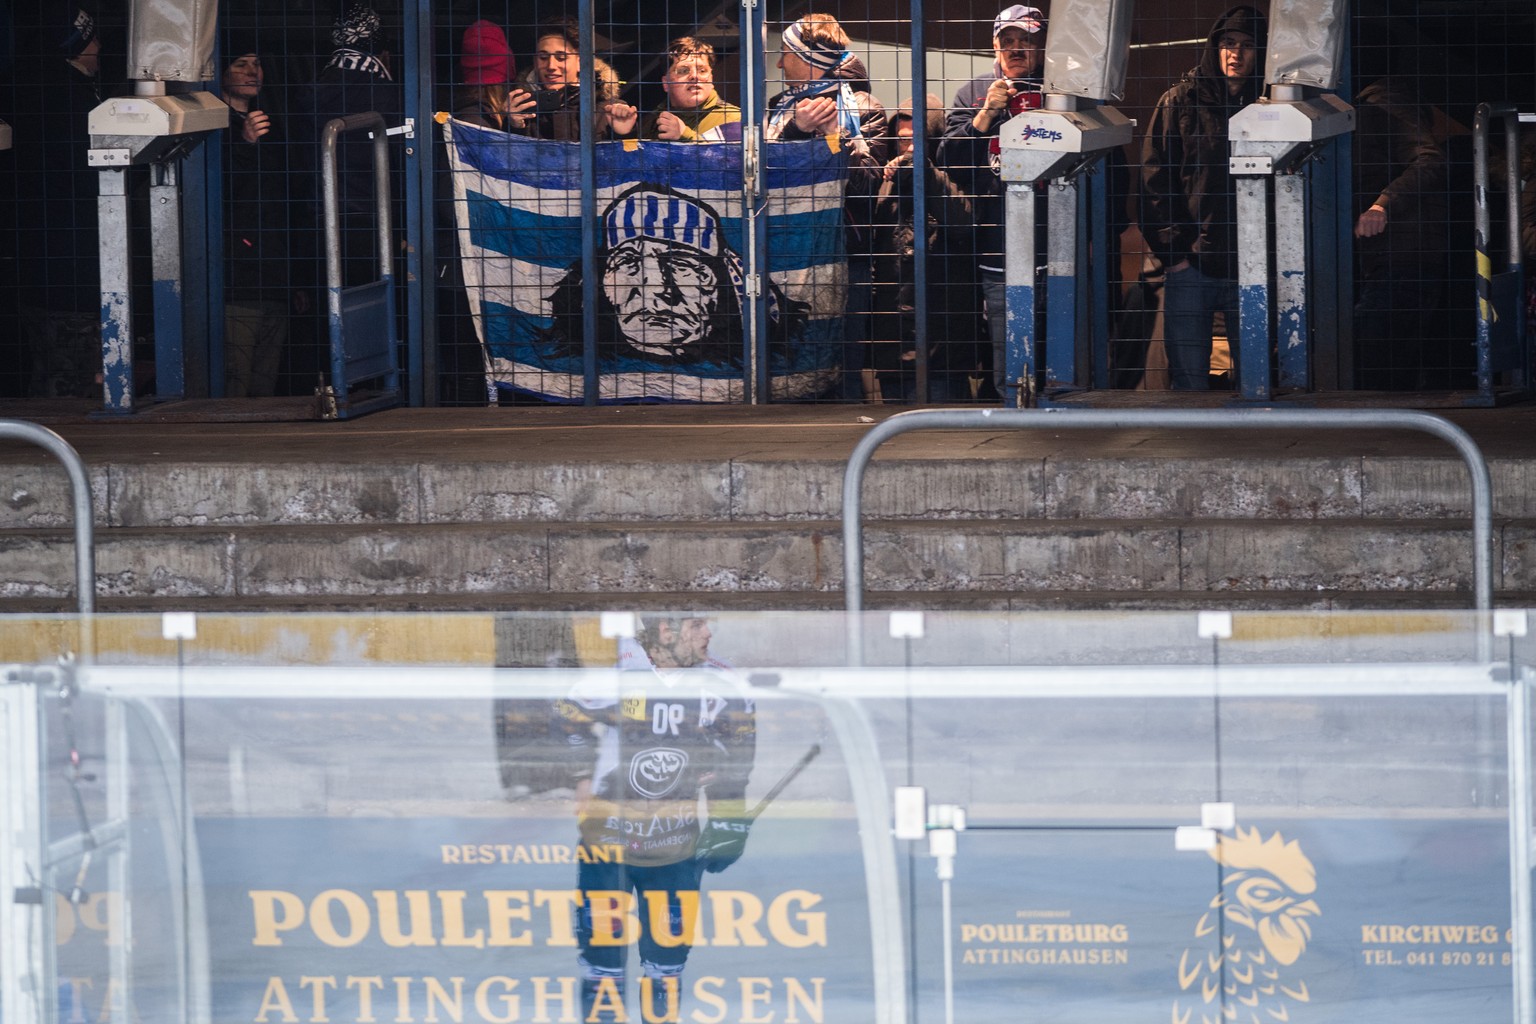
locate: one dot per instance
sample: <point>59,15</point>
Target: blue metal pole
<point>1062,294</point>
<point>1253,299</point>
<point>588,113</point>
<point>1098,312</point>
<point>116,292</point>
<point>420,288</point>
<point>920,196</point>
<point>754,97</point>
<point>167,285</point>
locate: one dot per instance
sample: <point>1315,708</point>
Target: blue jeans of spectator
<point>994,296</point>
<point>856,327</point>
<point>1190,302</point>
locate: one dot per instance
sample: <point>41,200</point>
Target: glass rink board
<point>431,844</point>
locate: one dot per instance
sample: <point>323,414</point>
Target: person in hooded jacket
<point>267,275</point>
<point>55,259</point>
<point>894,233</point>
<point>357,78</point>
<point>1189,200</point>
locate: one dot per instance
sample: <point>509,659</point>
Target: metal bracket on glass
<point>1214,625</point>
<point>1215,818</point>
<point>1509,622</point>
<point>906,625</point>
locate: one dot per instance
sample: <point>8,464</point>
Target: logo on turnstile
<point>1043,134</point>
<point>1266,901</point>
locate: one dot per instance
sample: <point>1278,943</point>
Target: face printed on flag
<point>662,294</point>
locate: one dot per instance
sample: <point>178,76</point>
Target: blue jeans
<point>994,296</point>
<point>1190,302</point>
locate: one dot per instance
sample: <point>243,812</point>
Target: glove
<point>721,843</point>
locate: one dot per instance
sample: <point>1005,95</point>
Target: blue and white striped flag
<point>670,252</point>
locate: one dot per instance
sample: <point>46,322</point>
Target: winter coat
<point>865,129</point>
<point>1189,200</point>
<point>1399,165</point>
<point>894,241</point>
<point>972,159</point>
<point>560,115</point>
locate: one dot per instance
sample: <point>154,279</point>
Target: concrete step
<point>941,560</point>
<point>741,506</point>
<point>301,493</point>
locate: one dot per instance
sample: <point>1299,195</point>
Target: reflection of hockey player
<point>641,754</point>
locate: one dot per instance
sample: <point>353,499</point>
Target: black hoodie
<point>1189,202</point>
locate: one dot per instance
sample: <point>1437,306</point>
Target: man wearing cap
<point>57,312</point>
<point>972,154</point>
<point>1189,201</point>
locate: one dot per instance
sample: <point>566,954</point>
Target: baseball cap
<point>1018,16</point>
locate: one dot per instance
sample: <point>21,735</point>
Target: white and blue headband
<point>794,42</point>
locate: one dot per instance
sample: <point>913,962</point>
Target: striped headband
<point>644,213</point>
<point>794,42</point>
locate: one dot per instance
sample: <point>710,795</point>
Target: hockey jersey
<point>650,745</point>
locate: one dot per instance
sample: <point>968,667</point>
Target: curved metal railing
<point>80,486</point>
<point>1170,419</point>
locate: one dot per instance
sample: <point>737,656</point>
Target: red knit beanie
<point>486,57</point>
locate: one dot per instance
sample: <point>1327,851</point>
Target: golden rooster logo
<point>1262,914</point>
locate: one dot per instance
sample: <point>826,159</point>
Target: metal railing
<point>80,487</point>
<point>1501,341</point>
<point>1192,419</point>
<point>362,317</point>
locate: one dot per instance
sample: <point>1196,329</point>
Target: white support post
<point>27,991</point>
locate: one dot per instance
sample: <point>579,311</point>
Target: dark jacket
<point>559,114</point>
<point>1189,202</point>
<point>56,189</point>
<point>268,224</point>
<point>972,159</point>
<point>894,236</point>
<point>341,91</point>
<point>1399,165</point>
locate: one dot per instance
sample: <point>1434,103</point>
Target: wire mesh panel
<point>901,300</point>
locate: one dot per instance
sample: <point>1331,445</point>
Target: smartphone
<point>550,100</point>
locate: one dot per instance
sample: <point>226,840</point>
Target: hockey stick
<point>788,777</point>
